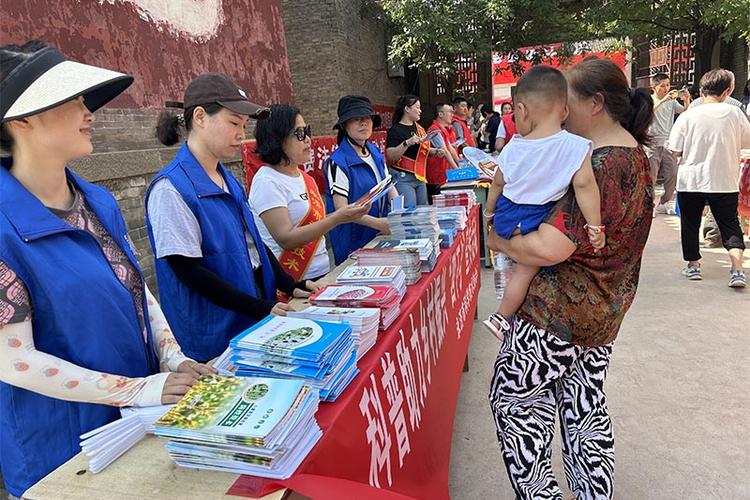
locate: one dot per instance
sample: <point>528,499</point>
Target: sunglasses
<point>301,132</point>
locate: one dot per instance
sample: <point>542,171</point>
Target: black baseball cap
<point>220,89</point>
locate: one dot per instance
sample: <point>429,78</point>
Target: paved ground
<point>678,388</point>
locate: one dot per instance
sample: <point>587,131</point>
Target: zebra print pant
<point>534,373</point>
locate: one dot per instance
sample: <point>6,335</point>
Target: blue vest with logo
<point>202,328</point>
<point>345,238</point>
<point>82,314</point>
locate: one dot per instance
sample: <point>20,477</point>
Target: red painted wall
<point>248,44</point>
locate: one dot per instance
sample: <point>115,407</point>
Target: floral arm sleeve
<point>167,348</point>
<point>23,366</point>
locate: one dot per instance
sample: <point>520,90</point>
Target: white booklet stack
<point>428,249</point>
<point>363,321</point>
<point>374,275</point>
<point>104,445</point>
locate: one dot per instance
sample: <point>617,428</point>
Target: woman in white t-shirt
<point>288,209</point>
<point>709,138</point>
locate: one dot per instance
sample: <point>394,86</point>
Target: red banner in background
<point>388,436</point>
<point>386,115</point>
<point>320,150</point>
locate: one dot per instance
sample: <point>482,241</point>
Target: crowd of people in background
<point>225,258</point>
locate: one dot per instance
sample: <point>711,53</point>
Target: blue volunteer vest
<point>345,238</point>
<point>202,328</point>
<point>82,314</point>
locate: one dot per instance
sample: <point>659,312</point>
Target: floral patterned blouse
<point>584,299</point>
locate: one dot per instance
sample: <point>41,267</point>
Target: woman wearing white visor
<point>80,334</point>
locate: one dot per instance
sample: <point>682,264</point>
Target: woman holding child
<point>556,351</point>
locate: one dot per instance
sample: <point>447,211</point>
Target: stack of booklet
<point>385,298</point>
<point>245,425</point>
<point>363,321</point>
<point>451,220</point>
<point>414,223</point>
<point>405,258</point>
<point>104,445</point>
<point>455,198</point>
<point>321,354</point>
<point>428,249</point>
<point>374,275</point>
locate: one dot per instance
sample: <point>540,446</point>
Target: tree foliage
<point>430,33</point>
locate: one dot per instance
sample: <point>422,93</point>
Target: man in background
<point>660,157</point>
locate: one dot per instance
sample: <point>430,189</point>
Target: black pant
<point>724,208</point>
<point>432,190</point>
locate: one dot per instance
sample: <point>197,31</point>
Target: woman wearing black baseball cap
<point>80,333</point>
<point>215,275</point>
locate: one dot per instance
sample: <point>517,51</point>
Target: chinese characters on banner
<point>390,432</point>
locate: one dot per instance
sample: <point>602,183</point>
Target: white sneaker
<point>665,209</point>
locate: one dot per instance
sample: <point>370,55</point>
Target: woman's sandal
<point>497,325</point>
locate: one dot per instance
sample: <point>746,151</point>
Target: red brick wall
<point>163,47</point>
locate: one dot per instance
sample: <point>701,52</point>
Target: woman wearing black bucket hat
<point>351,171</point>
<point>215,275</point>
<point>80,334</point>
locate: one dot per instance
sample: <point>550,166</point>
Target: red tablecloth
<point>389,434</point>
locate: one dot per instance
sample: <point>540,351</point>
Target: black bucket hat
<point>48,79</point>
<point>355,106</point>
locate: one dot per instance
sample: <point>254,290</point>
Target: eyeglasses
<point>301,132</point>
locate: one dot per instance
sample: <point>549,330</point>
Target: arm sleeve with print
<point>22,365</point>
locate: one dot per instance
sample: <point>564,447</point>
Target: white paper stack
<point>374,275</point>
<point>428,249</point>
<point>406,258</point>
<point>104,445</point>
<point>363,321</point>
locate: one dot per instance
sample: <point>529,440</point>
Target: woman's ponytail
<point>640,116</point>
<point>168,128</point>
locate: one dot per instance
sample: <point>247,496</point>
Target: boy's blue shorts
<point>510,216</point>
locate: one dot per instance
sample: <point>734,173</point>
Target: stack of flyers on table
<point>406,258</point>
<point>105,444</point>
<point>363,321</point>
<point>428,250</point>
<point>245,425</point>
<point>385,298</point>
<point>414,223</point>
<point>321,354</point>
<point>451,220</point>
<point>374,275</point>
<point>455,198</point>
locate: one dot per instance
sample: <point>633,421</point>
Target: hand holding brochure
<point>376,192</point>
